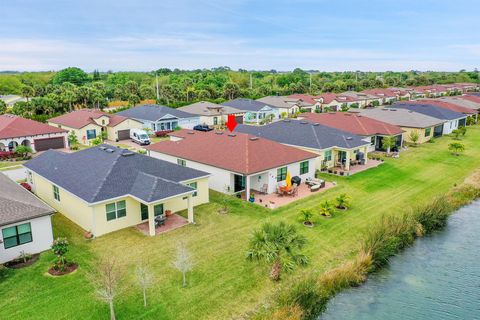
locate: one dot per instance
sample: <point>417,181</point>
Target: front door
<point>238,183</point>
<point>342,157</point>
<point>144,211</point>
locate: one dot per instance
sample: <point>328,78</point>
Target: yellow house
<point>121,189</point>
<point>89,124</point>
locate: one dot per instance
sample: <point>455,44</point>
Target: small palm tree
<point>343,201</point>
<point>456,148</point>
<point>278,244</point>
<point>327,209</point>
<point>306,216</point>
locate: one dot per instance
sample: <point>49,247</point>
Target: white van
<point>139,136</point>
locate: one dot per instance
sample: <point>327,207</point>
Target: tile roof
<point>18,204</point>
<point>205,108</point>
<point>240,153</point>
<point>380,92</point>
<point>80,118</point>
<point>305,134</point>
<point>472,98</point>
<point>446,105</point>
<point>247,104</point>
<point>327,97</point>
<point>154,112</point>
<point>401,117</point>
<point>95,174</point>
<point>353,123</point>
<point>430,110</point>
<point>308,99</point>
<point>13,126</point>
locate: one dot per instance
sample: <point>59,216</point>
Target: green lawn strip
<point>10,165</point>
<point>223,284</point>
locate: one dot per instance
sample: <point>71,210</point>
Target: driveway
<point>16,174</point>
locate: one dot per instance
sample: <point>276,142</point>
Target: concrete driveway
<point>16,174</point>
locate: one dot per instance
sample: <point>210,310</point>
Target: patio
<point>173,222</point>
<point>273,200</point>
<point>356,168</point>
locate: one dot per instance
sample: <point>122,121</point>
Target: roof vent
<point>110,150</point>
<point>286,120</point>
<point>232,135</point>
<point>254,138</point>
<point>303,122</point>
<point>127,153</point>
<point>102,148</point>
<point>349,138</point>
<point>316,124</point>
<point>190,132</point>
<point>219,132</point>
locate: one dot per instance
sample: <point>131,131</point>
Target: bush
<point>162,134</point>
<point>433,216</point>
<point>304,294</point>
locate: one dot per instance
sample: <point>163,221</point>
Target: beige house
<point>123,188</point>
<point>213,114</point>
<point>88,124</point>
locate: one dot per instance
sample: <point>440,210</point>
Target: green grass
<point>9,165</point>
<point>223,284</point>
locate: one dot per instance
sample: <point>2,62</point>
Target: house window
<point>194,186</point>
<point>116,210</point>
<point>182,162</point>
<point>372,140</point>
<point>91,134</point>
<point>281,174</point>
<point>303,167</point>
<point>17,235</point>
<point>215,121</point>
<point>158,209</point>
<point>328,155</point>
<point>427,132</point>
<point>56,193</point>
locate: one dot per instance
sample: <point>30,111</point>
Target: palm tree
<point>343,201</point>
<point>28,92</point>
<point>277,244</point>
<point>456,148</point>
<point>327,209</point>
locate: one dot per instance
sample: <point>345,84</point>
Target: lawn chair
<point>264,189</point>
<point>160,220</point>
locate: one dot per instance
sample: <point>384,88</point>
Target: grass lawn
<point>223,284</point>
<point>8,165</point>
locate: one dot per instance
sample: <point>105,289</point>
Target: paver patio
<point>173,222</point>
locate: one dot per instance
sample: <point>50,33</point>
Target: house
<point>213,114</point>
<point>452,120</point>
<point>305,102</point>
<point>25,221</point>
<point>330,102</point>
<point>425,126</point>
<point>161,118</point>
<point>359,99</point>
<point>238,162</point>
<point>104,189</point>
<point>467,101</point>
<point>11,99</point>
<point>255,111</point>
<point>286,105</point>
<point>473,114</point>
<point>373,131</point>
<point>402,94</point>
<point>88,124</point>
<point>15,130</point>
<point>387,96</point>
<point>335,148</point>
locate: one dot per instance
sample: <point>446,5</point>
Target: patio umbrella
<point>288,182</point>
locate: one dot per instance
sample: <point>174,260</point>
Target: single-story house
<point>335,148</point>
<point>15,130</point>
<point>467,101</point>
<point>286,105</point>
<point>305,102</point>
<point>452,119</point>
<point>161,118</point>
<point>213,114</point>
<point>104,188</point>
<point>469,112</point>
<point>371,130</point>
<point>255,111</point>
<point>387,96</point>
<point>329,102</point>
<point>401,94</point>
<point>426,126</point>
<point>25,221</point>
<point>88,124</point>
<point>362,99</point>
<point>238,162</point>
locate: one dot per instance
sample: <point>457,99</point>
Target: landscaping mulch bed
<point>71,267</point>
<point>18,263</point>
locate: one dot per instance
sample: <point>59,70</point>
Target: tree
<point>24,151</point>
<point>73,75</point>
<point>133,100</point>
<point>414,136</point>
<point>28,92</point>
<point>327,209</point>
<point>231,90</point>
<point>72,140</point>
<point>147,92</point>
<point>342,201</point>
<point>456,148</point>
<point>183,262</point>
<point>60,249</point>
<point>145,280</point>
<point>278,244</point>
<point>388,143</point>
<point>106,283</point>
<point>3,107</point>
<point>456,134</point>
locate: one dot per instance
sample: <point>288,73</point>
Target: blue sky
<point>332,35</point>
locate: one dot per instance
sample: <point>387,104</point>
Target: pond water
<point>437,278</point>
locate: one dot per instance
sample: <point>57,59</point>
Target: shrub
<point>60,249</point>
<point>162,134</point>
<point>433,216</point>
<point>327,209</point>
<point>287,313</point>
<point>306,295</point>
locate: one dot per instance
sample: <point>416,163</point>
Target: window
<point>372,140</point>
<point>158,209</point>
<point>427,132</point>
<point>91,134</point>
<point>328,155</point>
<point>281,174</point>
<point>56,193</point>
<point>194,186</point>
<point>116,210</point>
<point>182,162</point>
<point>215,121</point>
<point>303,167</point>
<point>17,235</point>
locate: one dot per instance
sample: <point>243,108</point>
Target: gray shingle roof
<point>304,134</point>
<point>153,112</point>
<point>431,111</point>
<point>18,204</point>
<point>401,117</point>
<point>247,104</point>
<point>205,108</point>
<point>96,175</point>
<point>276,101</point>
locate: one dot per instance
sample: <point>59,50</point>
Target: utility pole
<point>251,81</point>
<point>310,90</point>
<point>158,91</point>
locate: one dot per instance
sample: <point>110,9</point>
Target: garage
<point>123,134</point>
<point>239,119</point>
<point>49,143</point>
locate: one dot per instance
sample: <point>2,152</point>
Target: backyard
<point>223,284</point>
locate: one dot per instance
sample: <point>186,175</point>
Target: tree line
<point>51,93</point>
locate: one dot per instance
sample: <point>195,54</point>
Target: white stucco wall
<point>450,125</point>
<point>31,139</point>
<point>42,238</point>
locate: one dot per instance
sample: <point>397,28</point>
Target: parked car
<point>139,136</point>
<point>202,127</point>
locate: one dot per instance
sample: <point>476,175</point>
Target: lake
<point>437,278</point>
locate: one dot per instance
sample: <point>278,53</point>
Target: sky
<point>333,35</point>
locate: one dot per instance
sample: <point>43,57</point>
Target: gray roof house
<point>283,103</point>
<point>103,174</point>
<point>255,111</point>
<point>401,117</point>
<point>213,114</point>
<point>25,223</point>
<point>161,118</point>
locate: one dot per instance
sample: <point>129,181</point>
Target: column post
<point>190,209</point>
<point>151,221</point>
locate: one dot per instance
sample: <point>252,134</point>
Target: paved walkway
<point>16,174</point>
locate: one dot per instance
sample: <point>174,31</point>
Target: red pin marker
<point>231,123</point>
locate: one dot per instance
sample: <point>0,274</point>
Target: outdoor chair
<point>160,220</point>
<point>264,189</point>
